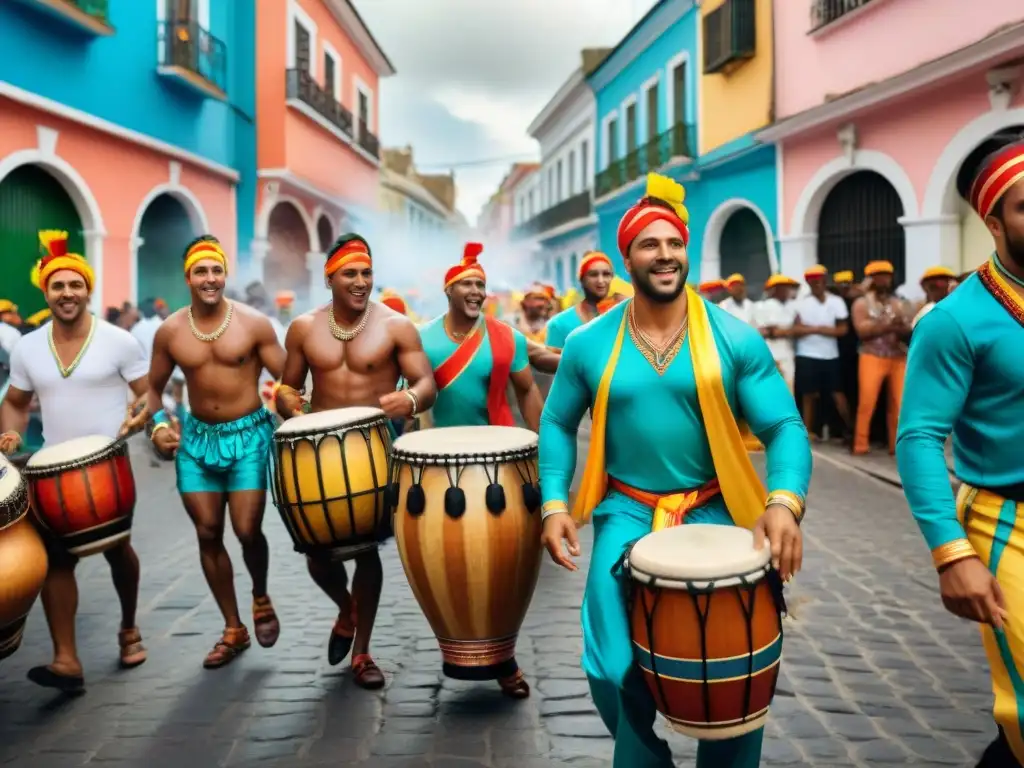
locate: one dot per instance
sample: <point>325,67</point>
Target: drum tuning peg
<point>455,502</point>
<point>494,497</point>
<point>415,500</point>
<point>531,497</point>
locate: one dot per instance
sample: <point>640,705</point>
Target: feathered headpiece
<point>662,202</point>
<point>468,267</point>
<point>54,245</point>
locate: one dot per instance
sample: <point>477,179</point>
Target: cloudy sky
<point>472,74</point>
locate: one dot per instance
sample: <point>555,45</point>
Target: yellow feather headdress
<point>671,192</point>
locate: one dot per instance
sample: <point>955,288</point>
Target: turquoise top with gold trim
<point>561,325</point>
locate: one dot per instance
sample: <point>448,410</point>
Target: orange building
<point>317,149</point>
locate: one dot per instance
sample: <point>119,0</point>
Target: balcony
<point>194,58</point>
<point>572,208</point>
<point>674,144</point>
<point>368,141</point>
<point>824,12</point>
<point>302,89</point>
<point>730,36</point>
<point>89,16</point>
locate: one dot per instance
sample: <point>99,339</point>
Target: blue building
<point>681,95</point>
<point>129,123</point>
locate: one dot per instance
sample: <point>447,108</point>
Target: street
<point>875,672</point>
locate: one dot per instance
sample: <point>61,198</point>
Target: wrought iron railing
<point>368,141</point>
<point>824,12</point>
<point>730,34</point>
<point>300,85</point>
<point>576,207</point>
<point>676,142</point>
<point>188,46</point>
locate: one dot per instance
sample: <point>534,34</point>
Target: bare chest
<point>371,352</point>
<point>234,349</point>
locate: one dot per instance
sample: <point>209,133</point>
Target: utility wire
<point>523,157</point>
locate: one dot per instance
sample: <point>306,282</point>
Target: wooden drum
<point>330,480</point>
<point>83,491</point>
<point>23,561</point>
<point>467,523</point>
<point>706,626</point>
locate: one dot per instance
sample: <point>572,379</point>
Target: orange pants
<point>873,372</point>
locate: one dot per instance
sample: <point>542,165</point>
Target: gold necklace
<point>453,335</point>
<point>65,372</point>
<point>660,357</point>
<point>217,333</point>
<point>340,333</point>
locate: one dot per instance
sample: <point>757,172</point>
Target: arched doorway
<point>285,266</point>
<point>30,200</point>
<point>166,228</point>
<point>324,233</point>
<point>859,223</point>
<point>744,249</point>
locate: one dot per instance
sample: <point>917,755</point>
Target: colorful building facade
<point>317,78</point>
<point>869,153</point>
<point>131,126</point>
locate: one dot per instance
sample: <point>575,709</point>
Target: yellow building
<point>415,201</point>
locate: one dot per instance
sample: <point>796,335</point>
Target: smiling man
<point>356,351</point>
<point>650,368</point>
<point>595,278</point>
<point>222,447</point>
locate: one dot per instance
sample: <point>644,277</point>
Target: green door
<point>30,200</point>
<point>165,231</point>
<point>744,249</point>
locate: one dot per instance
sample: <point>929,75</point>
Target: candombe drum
<point>83,491</point>
<point>23,560</point>
<point>330,480</point>
<point>467,523</point>
<point>706,624</point>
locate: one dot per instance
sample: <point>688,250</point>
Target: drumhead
<point>697,552</point>
<point>69,451</point>
<point>10,480</point>
<point>327,421</point>
<point>445,442</point>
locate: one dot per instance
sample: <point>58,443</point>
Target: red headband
<point>347,250</point>
<point>1004,170</point>
<point>592,258</point>
<point>466,268</point>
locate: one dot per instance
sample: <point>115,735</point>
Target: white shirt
<point>9,336</point>
<point>744,310</point>
<point>773,313</point>
<point>93,399</point>
<point>820,313</point>
<point>145,331</point>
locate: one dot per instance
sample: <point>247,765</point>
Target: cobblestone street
<point>874,674</point>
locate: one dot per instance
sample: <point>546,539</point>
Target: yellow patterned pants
<point>995,527</point>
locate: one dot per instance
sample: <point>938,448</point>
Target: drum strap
<point>669,508</point>
<point>503,350</point>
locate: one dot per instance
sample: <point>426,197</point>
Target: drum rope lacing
<point>217,333</point>
<point>47,470</point>
<point>341,334</point>
<point>15,506</point>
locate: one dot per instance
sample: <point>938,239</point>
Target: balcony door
<point>679,94</point>
<point>631,127</point>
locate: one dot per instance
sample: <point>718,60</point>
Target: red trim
<point>993,178</point>
<point>456,363</point>
<point>503,350</point>
<point>999,293</point>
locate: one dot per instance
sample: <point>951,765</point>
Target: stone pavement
<point>875,673</point>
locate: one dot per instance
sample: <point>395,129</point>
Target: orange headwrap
<point>663,202</point>
<point>878,268</point>
<point>843,277</point>
<point>540,291</point>
<point>205,249</point>
<point>592,258</point>
<point>735,278</point>
<point>933,272</point>
<point>284,299</point>
<point>776,280</point>
<point>393,301</point>
<point>55,243</point>
<point>347,250</point>
<point>466,268</point>
<point>711,286</point>
<point>159,304</point>
<point>1004,170</point>
<point>818,270</point>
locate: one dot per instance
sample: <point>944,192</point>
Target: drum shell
<point>88,506</point>
<point>350,508</point>
<point>23,565</point>
<point>718,708</point>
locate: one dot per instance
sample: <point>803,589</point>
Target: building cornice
<point>354,26</point>
<point>652,26</point>
<point>409,188</point>
<point>564,96</point>
<point>989,49</point>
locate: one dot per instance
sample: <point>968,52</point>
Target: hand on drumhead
<point>779,527</point>
<point>10,442</point>
<point>558,528</point>
<point>288,402</point>
<point>970,591</point>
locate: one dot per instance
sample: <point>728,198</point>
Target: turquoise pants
<point>620,693</point>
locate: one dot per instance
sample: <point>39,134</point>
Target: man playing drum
<point>356,351</point>
<point>222,446</point>
<point>664,422</point>
<point>78,366</point>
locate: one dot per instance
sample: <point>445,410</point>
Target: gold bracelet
<point>789,500</point>
<point>415,401</point>
<point>553,507</point>
<point>952,552</point>
<point>157,428</point>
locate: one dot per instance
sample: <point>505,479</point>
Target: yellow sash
<point>742,489</point>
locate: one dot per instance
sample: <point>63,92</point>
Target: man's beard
<point>1015,249</point>
<point>644,284</point>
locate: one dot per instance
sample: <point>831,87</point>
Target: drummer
<point>672,427</point>
<point>81,368</point>
<point>222,445</point>
<point>595,278</point>
<point>356,351</point>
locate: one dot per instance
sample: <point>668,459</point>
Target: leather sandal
<point>133,652</point>
<point>264,622</point>
<point>515,686</point>
<point>231,644</point>
<point>366,674</point>
<point>341,641</point>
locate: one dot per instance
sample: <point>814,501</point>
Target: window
<point>364,108</point>
<point>652,111</point>
<point>303,48</point>
<point>631,127</point>
<point>330,73</point>
<point>613,140</point>
<point>558,183</point>
<point>584,154</point>
<point>679,93</point>
<point>572,173</point>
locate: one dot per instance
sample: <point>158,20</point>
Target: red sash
<point>503,347</point>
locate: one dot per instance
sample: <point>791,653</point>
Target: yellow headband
<point>205,249</point>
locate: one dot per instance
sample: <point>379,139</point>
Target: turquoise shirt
<point>561,325</point>
<point>655,433</point>
<point>966,372</point>
<point>463,403</point>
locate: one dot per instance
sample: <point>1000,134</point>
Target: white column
<point>94,255</point>
<point>797,253</point>
<point>318,292</point>
<point>133,269</point>
<point>710,265</point>
<point>931,242</point>
<point>258,256</point>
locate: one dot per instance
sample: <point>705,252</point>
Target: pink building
<point>877,104</point>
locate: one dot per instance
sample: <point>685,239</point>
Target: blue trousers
<point>620,693</point>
